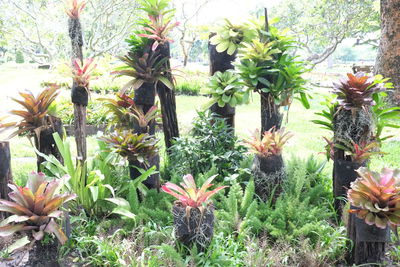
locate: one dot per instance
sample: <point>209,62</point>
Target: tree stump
<point>368,242</point>
<point>5,171</point>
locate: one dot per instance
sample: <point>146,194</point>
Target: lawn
<point>307,138</point>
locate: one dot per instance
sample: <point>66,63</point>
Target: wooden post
<point>5,171</point>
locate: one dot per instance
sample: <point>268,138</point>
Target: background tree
<point>187,12</point>
<point>321,25</point>
<point>38,27</point>
<point>388,59</point>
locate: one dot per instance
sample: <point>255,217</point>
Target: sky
<point>237,9</point>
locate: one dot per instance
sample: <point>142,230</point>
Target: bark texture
<point>167,102</point>
<point>388,59</point>
<point>5,171</point>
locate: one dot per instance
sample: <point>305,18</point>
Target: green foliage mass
<point>209,145</point>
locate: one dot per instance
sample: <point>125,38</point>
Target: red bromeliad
<point>81,71</point>
<point>189,195</point>
<point>74,8</point>
<point>158,30</point>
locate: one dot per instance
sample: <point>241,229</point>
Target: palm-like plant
<point>34,207</point>
<point>271,143</point>
<point>135,147</point>
<point>34,116</point>
<point>149,68</point>
<point>376,197</point>
<point>356,91</point>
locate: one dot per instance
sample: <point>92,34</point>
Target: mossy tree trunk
<point>367,242</point>
<point>5,172</point>
<point>194,227</point>
<point>167,102</point>
<point>222,62</point>
<point>388,59</point>
<point>79,95</point>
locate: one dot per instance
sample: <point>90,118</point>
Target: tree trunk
<point>168,103</point>
<point>270,115</point>
<point>5,171</point>
<point>222,62</point>
<point>80,132</point>
<point>227,112</point>
<point>145,98</point>
<point>368,242</point>
<point>388,59</point>
<point>350,127</point>
<point>45,143</point>
<point>79,95</point>
<point>219,61</point>
<point>269,173</point>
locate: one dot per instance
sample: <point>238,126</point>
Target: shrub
<point>210,144</point>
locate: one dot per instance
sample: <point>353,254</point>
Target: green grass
<point>307,138</point>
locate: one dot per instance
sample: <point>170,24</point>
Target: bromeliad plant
<point>267,66</point>
<point>225,88</point>
<point>82,72</point>
<point>356,91</point>
<point>230,37</point>
<point>158,30</point>
<point>271,143</point>
<point>125,114</point>
<point>189,196</point>
<point>34,116</point>
<point>362,152</point>
<point>135,147</point>
<point>74,8</point>
<point>148,68</point>
<point>35,208</point>
<point>193,211</point>
<point>376,197</point>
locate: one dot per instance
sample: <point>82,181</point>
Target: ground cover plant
<point>219,191</point>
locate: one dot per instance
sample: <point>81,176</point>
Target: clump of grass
<point>191,88</point>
